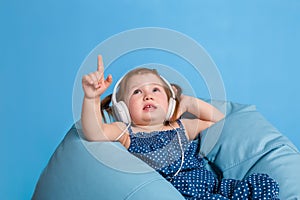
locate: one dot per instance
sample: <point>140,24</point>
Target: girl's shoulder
<point>118,132</point>
<point>193,127</point>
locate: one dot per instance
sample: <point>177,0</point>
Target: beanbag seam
<point>141,186</point>
<point>260,154</point>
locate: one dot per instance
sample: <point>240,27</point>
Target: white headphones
<point>121,112</point>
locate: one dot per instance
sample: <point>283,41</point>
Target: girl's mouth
<point>149,107</point>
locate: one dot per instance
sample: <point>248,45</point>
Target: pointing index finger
<point>100,64</point>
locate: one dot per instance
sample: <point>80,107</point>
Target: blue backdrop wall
<point>254,44</point>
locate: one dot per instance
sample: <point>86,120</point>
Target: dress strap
<point>180,124</point>
<point>182,131</point>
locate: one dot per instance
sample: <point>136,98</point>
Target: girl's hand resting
<point>199,108</point>
<point>94,83</point>
<point>184,103</point>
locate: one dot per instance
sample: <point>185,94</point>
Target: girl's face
<point>146,99</point>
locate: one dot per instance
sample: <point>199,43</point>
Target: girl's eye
<point>156,89</point>
<point>137,91</point>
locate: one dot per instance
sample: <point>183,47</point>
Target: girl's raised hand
<point>94,83</point>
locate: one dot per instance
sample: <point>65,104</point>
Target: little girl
<point>148,109</point>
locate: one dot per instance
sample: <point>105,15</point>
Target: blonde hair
<point>120,94</point>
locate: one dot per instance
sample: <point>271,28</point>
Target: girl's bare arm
<point>94,129</point>
<point>206,115</point>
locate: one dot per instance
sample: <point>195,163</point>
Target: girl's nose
<point>148,96</point>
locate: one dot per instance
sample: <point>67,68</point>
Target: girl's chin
<point>149,121</point>
<point>149,118</point>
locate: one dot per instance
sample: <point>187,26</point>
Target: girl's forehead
<point>143,79</point>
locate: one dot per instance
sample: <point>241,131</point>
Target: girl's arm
<point>201,109</point>
<point>206,115</point>
<point>93,127</point>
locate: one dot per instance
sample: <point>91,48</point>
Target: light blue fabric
<point>250,144</point>
<point>247,144</point>
<point>79,170</point>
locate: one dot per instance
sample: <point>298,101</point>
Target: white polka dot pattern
<point>161,150</point>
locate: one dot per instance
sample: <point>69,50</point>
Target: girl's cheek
<point>131,101</point>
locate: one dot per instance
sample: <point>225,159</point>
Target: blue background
<point>255,45</point>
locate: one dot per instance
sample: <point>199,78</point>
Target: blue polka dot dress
<point>161,150</point>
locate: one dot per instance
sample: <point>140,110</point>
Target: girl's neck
<point>150,128</point>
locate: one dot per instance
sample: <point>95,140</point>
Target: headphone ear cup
<point>120,112</point>
<point>171,108</point>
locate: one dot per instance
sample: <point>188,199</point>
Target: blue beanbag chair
<point>246,144</point>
